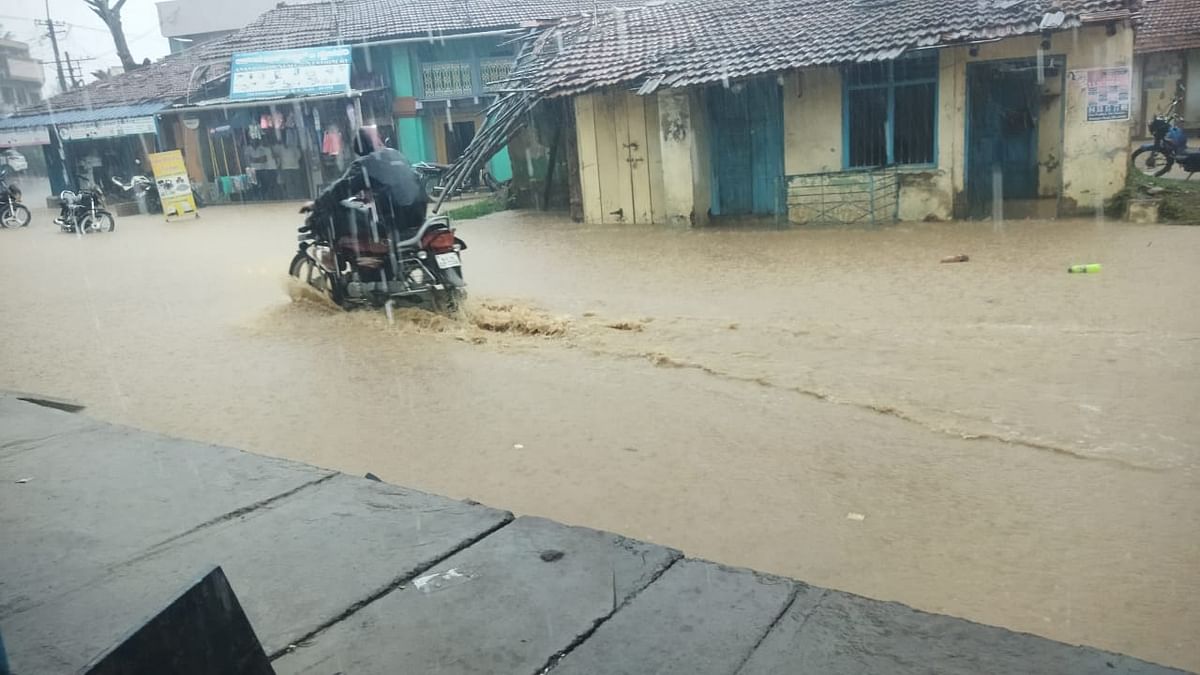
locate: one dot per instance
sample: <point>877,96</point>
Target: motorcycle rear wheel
<point>1151,162</point>
<point>14,216</point>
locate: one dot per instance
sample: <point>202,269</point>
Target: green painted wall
<point>410,134</point>
<point>415,136</point>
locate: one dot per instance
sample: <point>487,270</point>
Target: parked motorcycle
<point>142,187</point>
<point>83,212</point>
<point>1169,145</point>
<point>13,213</point>
<point>433,174</point>
<point>382,268</point>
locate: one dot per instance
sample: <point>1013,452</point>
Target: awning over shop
<point>81,116</point>
<point>227,103</point>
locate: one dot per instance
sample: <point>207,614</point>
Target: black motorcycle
<point>83,212</point>
<point>378,265</point>
<point>13,213</point>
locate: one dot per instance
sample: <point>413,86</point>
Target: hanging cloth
<point>332,145</point>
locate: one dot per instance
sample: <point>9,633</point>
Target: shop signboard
<point>1108,92</point>
<point>12,138</point>
<point>129,126</point>
<point>290,72</point>
<point>171,179</point>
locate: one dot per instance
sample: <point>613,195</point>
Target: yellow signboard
<point>171,179</point>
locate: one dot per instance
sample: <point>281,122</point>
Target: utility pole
<point>52,27</point>
<point>71,71</point>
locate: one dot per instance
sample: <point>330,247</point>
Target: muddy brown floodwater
<point>996,439</point>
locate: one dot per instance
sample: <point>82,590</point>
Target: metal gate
<point>843,197</point>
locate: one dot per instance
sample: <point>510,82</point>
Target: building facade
<point>1025,114</point>
<point>21,77</point>
<point>1166,57</point>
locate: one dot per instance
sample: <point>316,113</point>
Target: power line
<point>64,23</point>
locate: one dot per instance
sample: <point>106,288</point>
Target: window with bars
<point>890,111</point>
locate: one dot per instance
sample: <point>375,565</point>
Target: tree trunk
<point>118,33</point>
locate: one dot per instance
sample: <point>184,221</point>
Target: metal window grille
<point>447,79</point>
<point>492,71</point>
<point>890,109</point>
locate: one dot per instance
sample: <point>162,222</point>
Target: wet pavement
<point>996,439</point>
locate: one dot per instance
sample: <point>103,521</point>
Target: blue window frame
<point>889,112</point>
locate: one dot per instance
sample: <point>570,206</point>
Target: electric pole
<point>70,71</point>
<point>52,30</point>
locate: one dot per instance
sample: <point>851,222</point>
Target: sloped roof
<point>1168,25</point>
<point>370,20</point>
<point>690,42</point>
<point>82,115</point>
<point>310,25</point>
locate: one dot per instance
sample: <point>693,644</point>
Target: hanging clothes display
<point>332,143</point>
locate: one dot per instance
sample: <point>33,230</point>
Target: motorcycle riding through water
<point>367,242</point>
<point>378,266</point>
<point>1169,146</point>
<point>12,212</point>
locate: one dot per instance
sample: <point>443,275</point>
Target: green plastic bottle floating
<point>1090,268</point>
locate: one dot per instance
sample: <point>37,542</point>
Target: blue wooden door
<point>1001,133</point>
<point>745,122</point>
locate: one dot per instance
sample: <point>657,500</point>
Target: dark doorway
<point>746,132</point>
<point>458,136</point>
<point>1002,135</point>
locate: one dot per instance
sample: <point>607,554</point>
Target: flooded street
<point>997,440</point>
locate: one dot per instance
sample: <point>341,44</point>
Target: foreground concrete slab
<point>23,424</point>
<point>699,617</point>
<point>101,526</point>
<point>508,604</point>
<point>832,633</point>
<point>296,565</point>
<point>95,495</point>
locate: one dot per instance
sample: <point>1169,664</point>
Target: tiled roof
<point>369,20</point>
<point>688,42</point>
<point>1167,25</point>
<point>309,25</point>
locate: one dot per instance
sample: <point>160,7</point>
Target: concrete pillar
<point>685,163</point>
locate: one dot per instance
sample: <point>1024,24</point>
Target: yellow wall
<point>1084,161</point>
<point>620,159</point>
<point>812,121</point>
<point>1094,155</point>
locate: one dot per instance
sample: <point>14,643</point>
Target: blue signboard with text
<point>290,72</point>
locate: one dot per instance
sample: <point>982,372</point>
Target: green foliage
<point>477,210</point>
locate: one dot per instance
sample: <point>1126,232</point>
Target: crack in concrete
<point>583,637</point>
<point>249,508</point>
<point>795,593</point>
<point>796,587</point>
<point>392,585</point>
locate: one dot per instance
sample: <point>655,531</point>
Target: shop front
<point>276,149</point>
<point>94,153</point>
<point>89,147</point>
